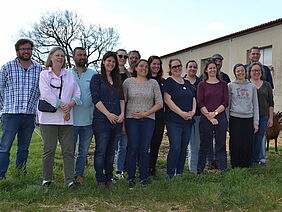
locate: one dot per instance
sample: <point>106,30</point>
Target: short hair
<point>169,64</point>
<point>149,75</point>
<point>261,69</point>
<point>135,51</point>
<point>254,47</point>
<point>191,61</point>
<point>239,65</point>
<point>77,48</point>
<point>122,50</point>
<point>150,60</point>
<point>22,42</point>
<point>52,51</point>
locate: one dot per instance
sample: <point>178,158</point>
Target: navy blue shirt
<point>182,95</point>
<point>160,113</point>
<point>108,94</point>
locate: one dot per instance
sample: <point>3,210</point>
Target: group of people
<point>127,109</point>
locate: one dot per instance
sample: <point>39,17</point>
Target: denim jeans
<point>21,125</point>
<point>106,137</point>
<point>121,153</point>
<point>83,135</point>
<point>178,135</point>
<point>139,133</point>
<point>259,143</point>
<point>156,143</point>
<point>207,131</point>
<point>194,145</point>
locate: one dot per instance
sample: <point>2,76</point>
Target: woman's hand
<point>210,115</point>
<point>214,121</point>
<point>270,122</point>
<point>139,114</point>
<point>120,118</point>
<point>112,118</point>
<point>256,127</point>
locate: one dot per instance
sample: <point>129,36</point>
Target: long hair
<point>52,51</point>
<point>205,74</point>
<point>114,73</point>
<point>160,72</point>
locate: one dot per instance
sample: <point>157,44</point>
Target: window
<point>266,56</point>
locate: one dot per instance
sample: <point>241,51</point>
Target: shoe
<point>119,176</point>
<point>73,185</point>
<point>46,183</point>
<point>262,164</point>
<point>79,179</point>
<point>131,184</point>
<point>144,182</point>
<point>152,172</point>
<point>101,185</point>
<point>109,185</point>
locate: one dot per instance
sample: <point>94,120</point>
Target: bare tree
<point>66,29</point>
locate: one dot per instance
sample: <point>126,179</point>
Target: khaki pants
<point>51,134</point>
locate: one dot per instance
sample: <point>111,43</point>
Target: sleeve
<point>124,88</point>
<point>225,102</point>
<point>157,93</point>
<point>166,86</point>
<point>45,90</point>
<point>2,85</point>
<point>76,91</point>
<point>268,76</point>
<point>95,88</point>
<point>270,96</point>
<point>255,105</point>
<point>229,102</point>
<point>200,95</point>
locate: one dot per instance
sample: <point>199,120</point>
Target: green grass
<point>253,189</point>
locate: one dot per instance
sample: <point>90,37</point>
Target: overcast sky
<point>152,27</point>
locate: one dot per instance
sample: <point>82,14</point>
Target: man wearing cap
<point>218,60</point>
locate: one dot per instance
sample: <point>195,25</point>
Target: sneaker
<point>131,184</point>
<point>144,182</point>
<point>119,176</point>
<point>46,183</point>
<point>109,185</point>
<point>101,185</point>
<point>79,179</point>
<point>73,185</point>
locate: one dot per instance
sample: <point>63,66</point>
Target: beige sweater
<point>141,96</point>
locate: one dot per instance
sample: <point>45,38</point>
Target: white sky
<point>151,26</point>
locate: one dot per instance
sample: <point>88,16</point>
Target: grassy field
<point>254,189</point>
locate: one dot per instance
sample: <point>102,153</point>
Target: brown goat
<point>273,132</point>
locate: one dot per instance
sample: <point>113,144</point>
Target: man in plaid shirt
<point>19,94</point>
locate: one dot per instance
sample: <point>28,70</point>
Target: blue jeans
<point>106,137</point>
<point>207,131</point>
<point>259,143</point>
<point>178,135</point>
<point>21,125</point>
<point>139,133</point>
<point>121,153</point>
<point>85,135</point>
<point>194,145</point>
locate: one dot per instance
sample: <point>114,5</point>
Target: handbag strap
<point>61,87</point>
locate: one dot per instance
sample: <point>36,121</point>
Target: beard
<point>25,56</point>
<point>81,63</point>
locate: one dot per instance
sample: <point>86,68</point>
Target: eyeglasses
<point>177,66</point>
<point>122,56</point>
<point>25,49</point>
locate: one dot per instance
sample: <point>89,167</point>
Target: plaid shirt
<point>19,88</point>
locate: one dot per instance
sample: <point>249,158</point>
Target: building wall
<point>235,51</point>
